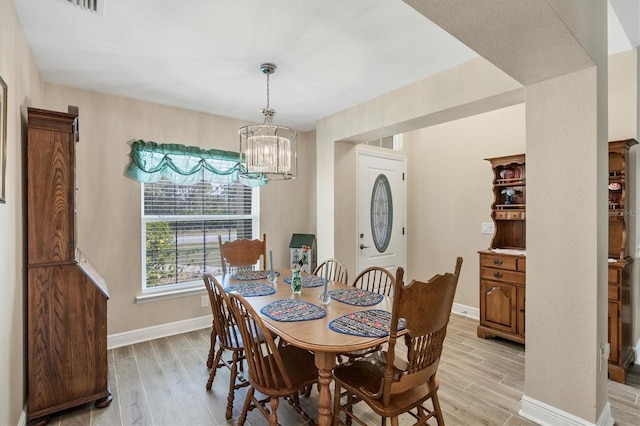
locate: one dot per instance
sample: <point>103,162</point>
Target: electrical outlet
<point>204,301</point>
<point>487,228</point>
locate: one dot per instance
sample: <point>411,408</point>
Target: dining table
<point>318,335</point>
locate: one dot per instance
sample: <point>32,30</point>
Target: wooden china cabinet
<point>503,266</point>
<point>619,277</point>
<point>66,297</point>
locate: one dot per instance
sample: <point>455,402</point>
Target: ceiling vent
<point>93,6</point>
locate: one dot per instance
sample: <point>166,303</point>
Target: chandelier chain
<point>268,112</point>
<point>267,91</point>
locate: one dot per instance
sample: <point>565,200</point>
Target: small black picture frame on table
<point>3,138</point>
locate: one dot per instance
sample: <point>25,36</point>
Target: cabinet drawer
<point>510,215</point>
<point>614,293</point>
<point>502,275</point>
<point>500,262</point>
<point>615,276</point>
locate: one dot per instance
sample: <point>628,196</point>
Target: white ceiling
<point>205,55</point>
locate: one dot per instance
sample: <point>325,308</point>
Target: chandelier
<point>267,151</point>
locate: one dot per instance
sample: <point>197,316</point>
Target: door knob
<point>362,246</point>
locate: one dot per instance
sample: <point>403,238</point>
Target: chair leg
<point>232,384</point>
<point>241,358</point>
<point>436,408</point>
<point>306,391</point>
<point>336,405</point>
<point>215,365</point>
<point>212,349</point>
<point>350,401</point>
<point>245,406</point>
<point>273,405</point>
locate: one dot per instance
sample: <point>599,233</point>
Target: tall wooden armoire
<point>66,297</point>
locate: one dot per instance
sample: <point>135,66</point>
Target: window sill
<point>170,294</point>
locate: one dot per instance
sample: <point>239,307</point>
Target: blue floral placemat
<point>371,323</point>
<point>252,275</point>
<point>308,281</point>
<point>356,296</point>
<point>251,289</point>
<point>292,310</point>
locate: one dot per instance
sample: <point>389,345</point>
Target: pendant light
<point>268,151</point>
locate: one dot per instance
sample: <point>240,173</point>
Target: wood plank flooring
<point>162,382</point>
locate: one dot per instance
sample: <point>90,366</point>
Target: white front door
<point>381,210</point>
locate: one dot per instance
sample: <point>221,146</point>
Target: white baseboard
<point>157,331</point>
<point>544,414</point>
<point>22,421</point>
<point>605,418</point>
<point>467,311</point>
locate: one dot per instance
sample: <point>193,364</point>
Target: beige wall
<point>345,207</point>
<point>19,72</point>
<point>426,103</point>
<point>566,258</point>
<point>450,193</point>
<point>108,203</point>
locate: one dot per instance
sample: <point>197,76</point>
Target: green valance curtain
<point>184,165</point>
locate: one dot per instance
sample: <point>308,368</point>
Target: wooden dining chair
<point>242,253</point>
<point>389,385</point>
<point>274,370</point>
<point>377,280</point>
<point>229,339</point>
<point>335,270</point>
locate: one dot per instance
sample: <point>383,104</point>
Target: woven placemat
<point>370,323</point>
<point>252,275</point>
<point>308,281</point>
<point>251,289</point>
<point>356,296</point>
<point>292,310</point>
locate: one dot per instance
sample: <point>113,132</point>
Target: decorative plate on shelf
<point>615,186</point>
<point>507,173</point>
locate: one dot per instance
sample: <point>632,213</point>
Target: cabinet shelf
<point>510,182</point>
<point>510,207</point>
<point>616,210</point>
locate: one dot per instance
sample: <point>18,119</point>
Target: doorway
<point>381,209</point>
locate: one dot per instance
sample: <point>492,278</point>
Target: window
<point>181,224</point>
<point>390,142</point>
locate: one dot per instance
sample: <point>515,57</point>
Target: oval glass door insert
<point>381,213</point>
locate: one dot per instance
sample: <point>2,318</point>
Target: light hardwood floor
<point>162,382</point>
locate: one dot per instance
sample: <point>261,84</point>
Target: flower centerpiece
<point>296,270</point>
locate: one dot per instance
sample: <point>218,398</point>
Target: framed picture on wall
<point>3,137</point>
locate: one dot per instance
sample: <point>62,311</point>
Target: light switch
<point>487,228</point>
